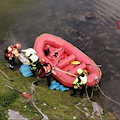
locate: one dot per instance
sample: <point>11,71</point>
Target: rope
<point>31,99</point>
<point>74,74</point>
<point>88,98</point>
<point>94,65</point>
<point>84,100</point>
<point>91,102</point>
<point>44,116</point>
<point>65,72</point>
<point>107,96</point>
<point>32,91</point>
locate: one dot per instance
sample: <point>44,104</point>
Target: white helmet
<point>79,71</point>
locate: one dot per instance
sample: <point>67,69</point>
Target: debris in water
<point>89,15</point>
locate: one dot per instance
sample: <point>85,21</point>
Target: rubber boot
<point>36,83</point>
<point>82,91</point>
<point>74,93</point>
<point>12,68</point>
<point>48,81</point>
<point>81,95</point>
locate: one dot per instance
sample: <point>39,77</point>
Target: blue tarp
<point>25,70</point>
<point>56,86</point>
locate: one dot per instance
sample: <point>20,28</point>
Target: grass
<point>59,105</point>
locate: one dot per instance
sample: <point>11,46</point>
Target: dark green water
<point>22,21</point>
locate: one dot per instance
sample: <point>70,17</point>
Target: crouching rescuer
<point>11,52</point>
<point>80,81</point>
<point>34,62</point>
<point>44,71</point>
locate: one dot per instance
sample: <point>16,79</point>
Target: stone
<point>97,109</point>
<point>14,115</point>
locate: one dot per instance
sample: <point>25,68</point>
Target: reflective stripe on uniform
<point>83,81</point>
<point>33,58</point>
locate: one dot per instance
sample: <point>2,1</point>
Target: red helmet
<point>18,46</point>
<point>43,61</point>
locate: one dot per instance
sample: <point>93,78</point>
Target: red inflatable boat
<point>65,60</point>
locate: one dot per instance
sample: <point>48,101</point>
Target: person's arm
<point>16,53</point>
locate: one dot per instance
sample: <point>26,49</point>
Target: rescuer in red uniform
<point>44,71</point>
<point>10,53</point>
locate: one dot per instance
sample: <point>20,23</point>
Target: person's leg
<point>48,81</point>
<point>12,63</point>
<point>34,73</point>
<point>74,92</point>
<point>82,91</point>
<point>36,82</point>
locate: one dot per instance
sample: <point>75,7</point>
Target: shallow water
<point>98,38</point>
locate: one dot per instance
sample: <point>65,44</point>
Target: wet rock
<point>79,17</point>
<point>117,74</point>
<point>88,38</point>
<point>108,48</point>
<point>89,15</point>
<point>102,35</point>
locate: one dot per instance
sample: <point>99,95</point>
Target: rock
<point>44,104</point>
<point>97,109</point>
<point>14,115</point>
<point>25,106</point>
<point>85,109</point>
<point>86,114</point>
<point>74,117</point>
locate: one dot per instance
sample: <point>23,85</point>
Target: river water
<point>22,21</point>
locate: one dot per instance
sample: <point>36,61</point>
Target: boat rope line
<point>54,68</point>
<point>91,102</point>
<point>64,72</point>
<point>107,96</point>
<point>94,65</point>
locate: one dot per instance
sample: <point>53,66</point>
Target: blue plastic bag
<point>25,70</point>
<point>56,86</point>
<point>62,88</point>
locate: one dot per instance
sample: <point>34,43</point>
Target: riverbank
<point>56,105</point>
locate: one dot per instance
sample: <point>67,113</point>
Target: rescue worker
<point>44,71</point>
<point>10,53</point>
<point>80,81</point>
<point>34,62</point>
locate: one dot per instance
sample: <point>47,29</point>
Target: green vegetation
<point>59,105</point>
<point>5,100</point>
